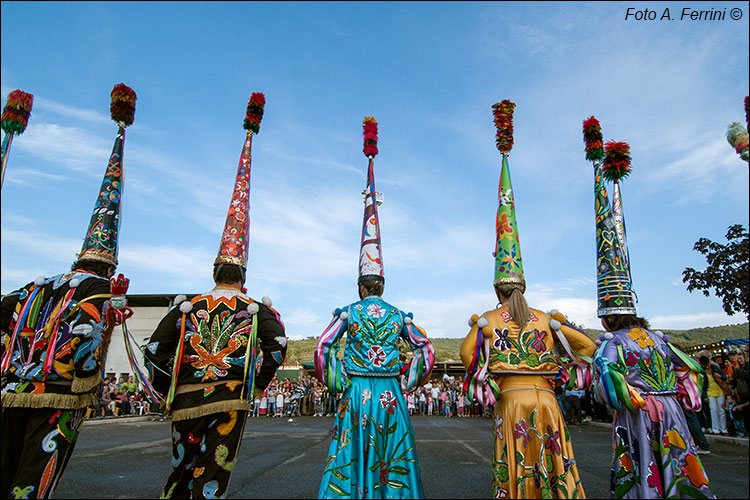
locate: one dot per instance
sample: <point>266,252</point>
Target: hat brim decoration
<point>613,283</point>
<point>508,262</point>
<point>15,117</point>
<point>101,240</point>
<point>233,248</point>
<point>370,254</point>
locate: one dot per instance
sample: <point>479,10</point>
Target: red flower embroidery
<point>376,355</point>
<point>388,401</point>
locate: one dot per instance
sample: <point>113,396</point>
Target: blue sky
<point>429,72</point>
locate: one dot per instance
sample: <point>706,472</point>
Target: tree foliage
<point>728,271</point>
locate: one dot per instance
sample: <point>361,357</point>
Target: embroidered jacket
<point>497,346</point>
<point>634,363</point>
<point>215,371</point>
<point>65,316</point>
<point>374,329</point>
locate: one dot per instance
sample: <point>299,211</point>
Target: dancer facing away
<point>56,333</point>
<point>638,373</point>
<point>213,339</point>
<point>511,363</point>
<point>372,453</point>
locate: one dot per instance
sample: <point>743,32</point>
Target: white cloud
<point>55,144</point>
<point>698,320</point>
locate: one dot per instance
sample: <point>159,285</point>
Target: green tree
<point>728,271</point>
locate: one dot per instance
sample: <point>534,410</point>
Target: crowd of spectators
<point>306,396</point>
<point>725,409</point>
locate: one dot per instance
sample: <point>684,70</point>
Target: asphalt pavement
<point>131,458</point>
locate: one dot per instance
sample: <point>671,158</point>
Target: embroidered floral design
<point>523,431</point>
<point>654,479</point>
<point>551,443</point>
<point>632,358</point>
<point>641,337</point>
<point>343,407</point>
<point>499,427</point>
<point>501,343</point>
<point>376,310</point>
<point>388,402</point>
<point>376,355</point>
<point>694,471</point>
<point>538,343</point>
<point>366,394</point>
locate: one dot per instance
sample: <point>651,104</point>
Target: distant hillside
<point>301,351</point>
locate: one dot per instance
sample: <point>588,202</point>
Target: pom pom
<point>74,282</point>
<point>608,336</point>
<point>592,139</point>
<point>558,316</point>
<point>16,112</point>
<point>482,322</point>
<point>598,342</point>
<point>616,161</point>
<point>601,337</point>
<point>343,316</point>
<point>503,117</point>
<point>471,323</point>
<point>407,320</point>
<point>659,333</point>
<point>180,299</point>
<point>554,324</point>
<point>266,301</point>
<point>39,281</point>
<point>737,137</point>
<point>254,115</point>
<point>122,105</point>
<point>370,133</point>
<point>487,332</point>
<point>666,338</point>
<point>186,307</point>
<point>474,318</point>
<point>253,308</point>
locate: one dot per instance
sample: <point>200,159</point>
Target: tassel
<point>503,114</point>
<point>370,133</point>
<point>616,161</point>
<point>738,138</point>
<point>592,138</point>
<point>122,105</point>
<point>16,112</point>
<point>254,115</point>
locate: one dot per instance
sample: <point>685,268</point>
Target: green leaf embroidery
<point>532,418</point>
<point>550,463</point>
<point>547,492</point>
<point>519,457</point>
<point>514,359</point>
<point>396,484</point>
<point>532,360</point>
<point>359,362</point>
<point>338,490</point>
<point>397,469</point>
<point>502,474</point>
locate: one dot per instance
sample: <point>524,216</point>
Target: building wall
<point>141,325</point>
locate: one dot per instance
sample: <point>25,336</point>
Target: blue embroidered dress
<point>372,453</point>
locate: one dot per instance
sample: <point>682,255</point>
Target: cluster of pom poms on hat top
<point>370,134</point>
<point>502,113</point>
<point>16,112</point>
<point>616,161</point>
<point>122,105</point>
<point>254,114</point>
<point>737,137</point>
<point>592,139</point>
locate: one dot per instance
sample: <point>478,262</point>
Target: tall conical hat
<point>234,242</point>
<point>101,240</point>
<point>370,254</point>
<point>508,263</point>
<point>613,282</point>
